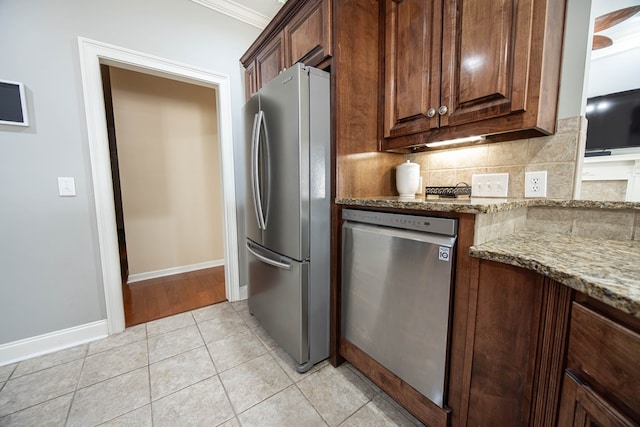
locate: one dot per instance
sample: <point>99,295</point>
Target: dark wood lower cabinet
<point>515,347</point>
<point>601,385</point>
<point>583,407</point>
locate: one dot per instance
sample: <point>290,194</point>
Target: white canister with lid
<point>408,179</point>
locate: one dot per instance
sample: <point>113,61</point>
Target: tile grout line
<point>217,374</point>
<point>75,389</point>
<point>146,335</point>
<point>295,383</point>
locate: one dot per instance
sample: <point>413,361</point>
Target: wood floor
<point>156,298</point>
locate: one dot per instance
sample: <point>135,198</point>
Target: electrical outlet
<point>535,184</point>
<point>490,185</point>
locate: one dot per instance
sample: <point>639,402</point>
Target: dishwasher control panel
<point>428,224</point>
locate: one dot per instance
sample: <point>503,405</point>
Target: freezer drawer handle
<point>266,260</point>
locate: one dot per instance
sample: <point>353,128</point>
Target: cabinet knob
<point>443,110</point>
<point>431,112</point>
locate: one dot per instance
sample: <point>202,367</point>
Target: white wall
<point>168,155</point>
<point>49,259</point>
<point>615,73</point>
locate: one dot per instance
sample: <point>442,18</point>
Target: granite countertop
<point>607,270</point>
<point>476,205</point>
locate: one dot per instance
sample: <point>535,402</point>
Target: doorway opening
<point>94,54</point>
<point>164,153</point>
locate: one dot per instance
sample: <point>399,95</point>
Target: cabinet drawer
<point>605,354</point>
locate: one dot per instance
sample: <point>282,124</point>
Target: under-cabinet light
<point>455,141</point>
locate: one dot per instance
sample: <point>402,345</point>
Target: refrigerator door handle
<point>269,261</point>
<point>255,178</point>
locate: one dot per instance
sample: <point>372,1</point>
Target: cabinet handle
<point>443,110</point>
<point>431,112</point>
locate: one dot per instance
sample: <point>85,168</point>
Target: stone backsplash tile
<point>552,149</point>
<point>557,154</point>
<point>614,225</point>
<point>507,153</point>
<point>499,224</point>
<point>570,124</point>
<point>442,177</point>
<point>550,220</point>
<point>456,158</point>
<point>636,228</point>
<point>598,223</point>
<point>465,175</point>
<point>451,177</point>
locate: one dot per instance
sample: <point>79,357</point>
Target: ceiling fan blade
<point>610,19</point>
<point>600,42</point>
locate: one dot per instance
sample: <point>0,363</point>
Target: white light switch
<point>490,185</point>
<point>66,186</point>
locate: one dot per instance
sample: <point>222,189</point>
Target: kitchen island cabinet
<point>470,67</point>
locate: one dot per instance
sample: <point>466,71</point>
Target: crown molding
<point>236,11</point>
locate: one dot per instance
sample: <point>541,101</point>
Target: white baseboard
<point>174,270</point>
<point>244,292</point>
<point>53,341</point>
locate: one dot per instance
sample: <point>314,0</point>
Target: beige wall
<point>557,154</point>
<point>167,140</point>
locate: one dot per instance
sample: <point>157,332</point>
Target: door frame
<point>92,54</point>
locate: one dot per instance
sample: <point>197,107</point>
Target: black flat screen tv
<point>613,121</point>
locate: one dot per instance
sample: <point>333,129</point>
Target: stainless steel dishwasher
<point>397,272</point>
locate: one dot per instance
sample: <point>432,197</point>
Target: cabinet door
<point>270,61</point>
<point>605,352</point>
<point>412,65</point>
<point>307,37</point>
<point>583,407</point>
<point>485,58</point>
<point>250,80</point>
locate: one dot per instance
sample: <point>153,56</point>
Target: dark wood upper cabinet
<point>456,68</point>
<point>269,61</point>
<point>250,79</point>
<point>300,32</point>
<point>308,35</point>
<point>412,40</point>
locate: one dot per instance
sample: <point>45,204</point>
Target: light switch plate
<point>66,186</point>
<point>490,185</point>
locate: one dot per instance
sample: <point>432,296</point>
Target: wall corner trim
<point>53,341</point>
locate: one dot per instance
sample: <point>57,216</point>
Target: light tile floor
<point>214,366</point>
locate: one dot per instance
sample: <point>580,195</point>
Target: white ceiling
<point>254,12</point>
<point>615,68</point>
<point>625,35</point>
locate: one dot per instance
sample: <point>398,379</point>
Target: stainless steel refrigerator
<point>288,211</point>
